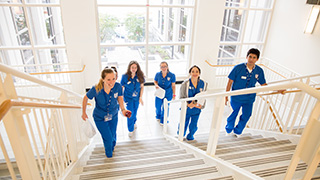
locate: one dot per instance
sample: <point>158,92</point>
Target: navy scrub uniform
<point>105,115</point>
<point>166,84</point>
<point>187,90</point>
<point>131,94</point>
<point>243,79</point>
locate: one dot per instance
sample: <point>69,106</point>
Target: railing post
<point>215,126</point>
<point>182,120</point>
<point>165,118</point>
<point>70,133</point>
<point>18,135</point>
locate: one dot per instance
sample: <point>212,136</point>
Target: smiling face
<point>252,59</point>
<point>109,80</point>
<point>164,67</point>
<point>195,73</point>
<point>133,68</point>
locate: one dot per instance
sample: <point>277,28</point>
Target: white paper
<point>160,93</point>
<point>88,129</point>
<point>201,101</point>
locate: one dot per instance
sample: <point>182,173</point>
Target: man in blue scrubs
<point>244,75</point>
<point>166,80</point>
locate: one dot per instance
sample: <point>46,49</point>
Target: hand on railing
<point>282,91</point>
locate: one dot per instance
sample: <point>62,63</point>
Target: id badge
<point>108,117</point>
<point>135,94</point>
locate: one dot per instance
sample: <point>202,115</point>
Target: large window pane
<point>170,24</point>
<point>46,25</point>
<point>122,25</point>
<point>123,2</point>
<point>172,2</point>
<point>259,20</point>
<point>43,1</point>
<point>121,56</point>
<point>176,56</point>
<point>261,4</point>
<point>18,57</point>
<point>51,56</point>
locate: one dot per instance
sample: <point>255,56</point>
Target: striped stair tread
<point>182,174</point>
<point>252,146</point>
<point>223,141</point>
<point>135,156</point>
<point>150,168</point>
<point>137,162</point>
<point>268,160</point>
<point>101,154</point>
<point>240,143</point>
<point>223,178</point>
<point>257,152</point>
<point>279,170</point>
<point>134,144</point>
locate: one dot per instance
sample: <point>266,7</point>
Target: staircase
<point>266,157</point>
<point>147,159</point>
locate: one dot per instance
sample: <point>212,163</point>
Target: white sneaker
<point>135,126</point>
<point>229,134</point>
<point>130,134</point>
<point>158,120</point>
<point>237,135</point>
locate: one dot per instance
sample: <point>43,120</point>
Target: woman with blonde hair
<point>108,95</point>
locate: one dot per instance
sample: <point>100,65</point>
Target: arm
<point>141,93</point>
<point>174,90</point>
<point>156,84</point>
<point>121,104</point>
<point>228,89</point>
<point>84,107</point>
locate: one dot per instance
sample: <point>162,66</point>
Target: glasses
<point>162,67</point>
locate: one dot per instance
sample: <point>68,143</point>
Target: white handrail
<point>295,78</point>
<point>286,85</point>
<point>14,72</point>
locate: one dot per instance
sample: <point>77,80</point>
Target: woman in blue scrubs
<point>167,81</point>
<point>107,94</point>
<point>132,82</point>
<point>189,88</point>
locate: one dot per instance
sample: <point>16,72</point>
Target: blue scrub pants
<point>159,108</point>
<point>244,118</point>
<point>191,121</point>
<point>108,131</point>
<point>133,106</point>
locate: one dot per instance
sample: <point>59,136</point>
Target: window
<point>244,26</point>
<point>31,34</point>
<point>146,31</point>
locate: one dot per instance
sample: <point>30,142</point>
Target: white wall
<point>81,36</point>
<point>287,44</point>
<point>207,36</point>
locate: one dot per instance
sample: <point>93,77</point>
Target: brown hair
<point>104,73</point>
<point>139,72</point>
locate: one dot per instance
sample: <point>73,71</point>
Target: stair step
<point>114,165</point>
<point>222,141</point>
<point>181,174</point>
<point>151,168</point>
<point>101,154</point>
<point>135,156</point>
<point>134,144</point>
<point>257,152</point>
<point>263,161</point>
<point>223,178</point>
<point>279,170</point>
<point>253,146</point>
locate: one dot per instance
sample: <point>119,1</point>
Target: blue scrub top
<point>166,82</point>
<point>242,79</point>
<point>132,87</point>
<point>105,103</point>
<point>192,91</point>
